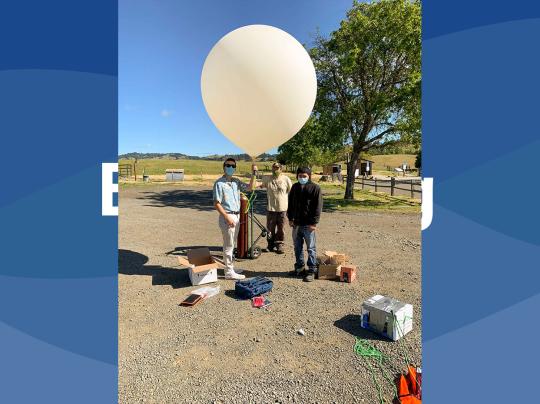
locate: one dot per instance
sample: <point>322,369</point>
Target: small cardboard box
<point>327,270</point>
<point>386,316</point>
<point>335,258</point>
<point>201,266</point>
<point>347,273</point>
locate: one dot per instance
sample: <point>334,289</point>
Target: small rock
<point>301,332</point>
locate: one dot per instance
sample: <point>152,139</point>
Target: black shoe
<point>297,272</point>
<point>279,249</point>
<point>309,277</point>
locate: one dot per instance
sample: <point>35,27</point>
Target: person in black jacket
<point>304,212</point>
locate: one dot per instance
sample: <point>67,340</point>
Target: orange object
<point>409,387</point>
<point>411,376</point>
<point>410,400</point>
<point>403,387</point>
<point>348,273</point>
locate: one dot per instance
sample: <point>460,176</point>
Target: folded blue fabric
<point>253,287</point>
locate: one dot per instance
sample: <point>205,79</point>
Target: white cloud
<point>165,113</point>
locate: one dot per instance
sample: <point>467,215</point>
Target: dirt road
<point>222,350</point>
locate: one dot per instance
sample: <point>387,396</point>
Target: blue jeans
<point>299,235</point>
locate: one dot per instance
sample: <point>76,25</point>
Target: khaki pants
<point>230,235</point>
<point>275,222</point>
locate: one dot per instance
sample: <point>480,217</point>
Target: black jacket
<point>305,204</point>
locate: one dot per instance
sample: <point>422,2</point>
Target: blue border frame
<point>481,255</point>
<point>58,277</point>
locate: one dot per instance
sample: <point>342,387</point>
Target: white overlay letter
<point>427,202</point>
<point>108,187</point>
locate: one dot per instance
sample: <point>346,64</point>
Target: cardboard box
<point>347,273</point>
<point>333,257</point>
<point>329,271</point>
<point>201,266</point>
<point>386,316</point>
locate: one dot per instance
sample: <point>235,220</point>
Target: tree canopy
<point>369,79</point>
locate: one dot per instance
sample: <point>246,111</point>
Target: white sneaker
<point>238,270</point>
<point>233,275</point>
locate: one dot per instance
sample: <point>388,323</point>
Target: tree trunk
<point>351,168</point>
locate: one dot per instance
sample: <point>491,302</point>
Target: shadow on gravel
<point>134,263</point>
<point>216,251</point>
<point>232,294</point>
<point>267,274</point>
<point>181,198</point>
<point>351,324</point>
<point>201,200</point>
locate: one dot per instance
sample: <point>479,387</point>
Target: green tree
<point>307,147</point>
<point>368,75</point>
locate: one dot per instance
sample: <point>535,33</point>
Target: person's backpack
<point>253,287</point>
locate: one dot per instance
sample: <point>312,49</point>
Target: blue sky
<point>162,48</point>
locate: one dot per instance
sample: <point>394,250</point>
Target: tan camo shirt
<point>278,192</point>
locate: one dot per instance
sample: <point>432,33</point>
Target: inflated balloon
<point>259,86</point>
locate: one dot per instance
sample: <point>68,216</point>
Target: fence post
<point>375,184</point>
<point>392,185</point>
<point>412,189</point>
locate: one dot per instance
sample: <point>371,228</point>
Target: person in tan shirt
<point>278,186</point>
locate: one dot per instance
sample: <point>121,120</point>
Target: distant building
<point>364,167</point>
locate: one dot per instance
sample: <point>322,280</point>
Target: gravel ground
<point>224,351</point>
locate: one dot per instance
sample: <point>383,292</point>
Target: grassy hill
<point>191,167</point>
<point>381,161</point>
<point>157,166</point>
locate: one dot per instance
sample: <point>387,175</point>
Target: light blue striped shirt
<point>227,193</point>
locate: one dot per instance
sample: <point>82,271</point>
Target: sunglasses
<point>230,165</point>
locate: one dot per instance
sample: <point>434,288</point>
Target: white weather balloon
<point>259,86</point>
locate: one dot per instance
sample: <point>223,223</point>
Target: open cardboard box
<point>333,257</point>
<point>327,270</point>
<point>201,265</point>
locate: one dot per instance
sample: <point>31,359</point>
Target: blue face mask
<point>303,181</point>
<point>229,170</point>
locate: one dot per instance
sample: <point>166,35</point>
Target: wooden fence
<point>393,186</point>
<point>125,170</point>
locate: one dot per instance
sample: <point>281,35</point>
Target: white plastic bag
<point>207,291</point>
